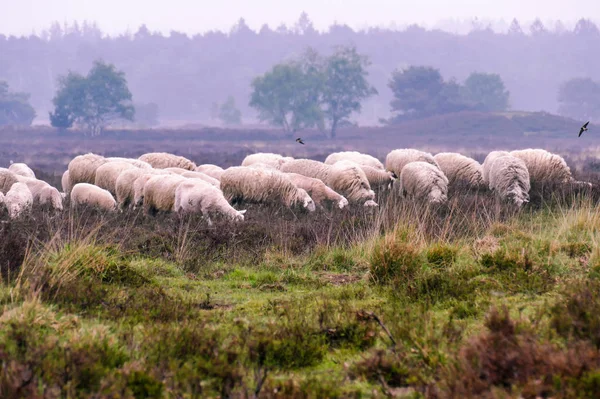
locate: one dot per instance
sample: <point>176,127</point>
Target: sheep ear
<point>242,211</point>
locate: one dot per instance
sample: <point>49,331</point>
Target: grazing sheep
<point>177,171</point>
<point>274,160</point>
<point>197,196</point>
<point>43,193</point>
<point>163,160</point>
<point>91,195</point>
<point>107,175</point>
<point>1,200</point>
<point>198,175</point>
<point>125,187</point>
<point>378,178</point>
<point>260,165</point>
<point>487,164</point>
<point>348,180</point>
<point>65,182</point>
<point>211,170</point>
<point>21,169</point>
<point>18,199</point>
<point>397,159</point>
<point>243,184</point>
<point>7,179</point>
<point>459,168</point>
<point>509,179</point>
<point>544,167</point>
<point>317,190</point>
<point>159,192</point>
<point>355,156</point>
<point>82,168</point>
<point>135,162</point>
<point>424,182</point>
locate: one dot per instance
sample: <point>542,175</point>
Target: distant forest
<point>185,76</point>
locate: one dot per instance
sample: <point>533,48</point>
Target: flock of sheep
<point>171,183</point>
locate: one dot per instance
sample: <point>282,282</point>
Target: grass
<point>466,300</point>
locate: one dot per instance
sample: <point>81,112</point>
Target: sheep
<point>487,164</point>
<point>423,182</point>
<point>348,180</point>
<point>125,185</point>
<point>159,193</point>
<point>65,182</point>
<point>91,195</point>
<point>544,167</point>
<point>107,175</point>
<point>18,199</point>
<point>135,162</point>
<point>197,196</point>
<point>274,160</point>
<point>21,169</point>
<point>378,178</point>
<point>213,171</point>
<point>7,179</point>
<point>162,160</point>
<point>198,175</point>
<point>82,168</point>
<point>43,193</point>
<point>177,171</point>
<point>260,165</point>
<point>245,184</point>
<point>459,168</point>
<point>359,158</point>
<point>397,159</point>
<point>509,179</point>
<point>317,190</point>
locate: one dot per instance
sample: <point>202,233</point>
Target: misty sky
<point>195,16</point>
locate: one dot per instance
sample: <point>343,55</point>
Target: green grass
<point>511,311</point>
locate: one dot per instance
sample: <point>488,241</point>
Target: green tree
<point>284,97</point>
<point>344,85</point>
<point>579,98</point>
<point>14,107</point>
<point>94,101</point>
<point>229,114</point>
<point>487,92</point>
<point>415,90</point>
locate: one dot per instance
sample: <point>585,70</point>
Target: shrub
<point>441,255</point>
<point>394,260</point>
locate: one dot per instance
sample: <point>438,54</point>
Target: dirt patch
<point>340,279</point>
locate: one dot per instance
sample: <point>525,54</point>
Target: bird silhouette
<point>583,128</point>
<point>299,140</point>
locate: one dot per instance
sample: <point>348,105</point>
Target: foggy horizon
<point>117,17</point>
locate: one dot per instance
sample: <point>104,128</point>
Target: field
<point>468,299</point>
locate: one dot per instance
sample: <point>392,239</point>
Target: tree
<point>229,114</point>
<point>94,101</point>
<point>14,107</point>
<point>415,90</point>
<point>344,85</point>
<point>283,97</point>
<point>579,98</point>
<point>487,92</point>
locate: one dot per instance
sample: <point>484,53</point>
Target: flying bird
<point>583,128</point>
<point>299,140</point>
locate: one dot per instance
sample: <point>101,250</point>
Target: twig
<point>373,316</point>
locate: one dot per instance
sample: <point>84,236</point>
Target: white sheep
<point>487,164</point>
<point>18,199</point>
<point>82,168</point>
<point>65,182</point>
<point>7,179</point>
<point>423,182</point>
<point>159,192</point>
<point>355,156</point>
<point>274,160</point>
<point>135,162</point>
<point>544,167</point>
<point>163,160</point>
<point>43,193</point>
<point>91,195</point>
<point>213,171</point>
<point>397,159</point>
<point>125,185</point>
<point>199,175</point>
<point>509,179</point>
<point>379,179</point>
<point>317,190</point>
<point>21,169</point>
<point>107,175</point>
<point>459,168</point>
<point>197,196</point>
<point>350,181</point>
<point>243,184</point>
